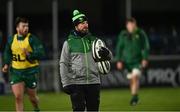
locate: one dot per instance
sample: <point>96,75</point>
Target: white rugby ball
<point>97,44</point>
<point>104,67</point>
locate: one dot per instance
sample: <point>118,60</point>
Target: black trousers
<point>84,97</point>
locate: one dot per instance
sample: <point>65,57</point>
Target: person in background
<point>132,53</point>
<point>21,55</point>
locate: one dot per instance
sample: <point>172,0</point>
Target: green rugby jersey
<point>132,48</point>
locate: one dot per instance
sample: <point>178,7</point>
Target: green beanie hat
<point>78,17</point>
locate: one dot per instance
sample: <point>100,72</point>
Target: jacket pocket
<point>79,72</point>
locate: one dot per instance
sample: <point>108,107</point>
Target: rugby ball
<point>104,67</point>
<point>96,46</point>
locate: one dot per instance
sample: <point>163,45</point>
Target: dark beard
<point>82,33</point>
<point>85,31</point>
<point>23,33</point>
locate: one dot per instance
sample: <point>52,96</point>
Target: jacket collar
<point>79,34</point>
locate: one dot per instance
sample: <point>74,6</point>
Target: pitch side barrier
<point>162,71</point>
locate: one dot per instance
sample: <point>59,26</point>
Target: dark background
<point>159,18</point>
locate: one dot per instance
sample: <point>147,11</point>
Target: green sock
<point>36,109</point>
<point>135,96</point>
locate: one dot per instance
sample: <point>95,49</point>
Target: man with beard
<point>21,55</point>
<point>79,73</point>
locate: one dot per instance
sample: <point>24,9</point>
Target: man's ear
<point>76,28</point>
<point>16,29</point>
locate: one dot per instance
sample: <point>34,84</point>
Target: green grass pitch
<point>158,99</point>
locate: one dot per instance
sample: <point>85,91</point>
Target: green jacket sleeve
<point>119,47</point>
<point>7,55</point>
<point>146,46</point>
<point>37,47</point>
